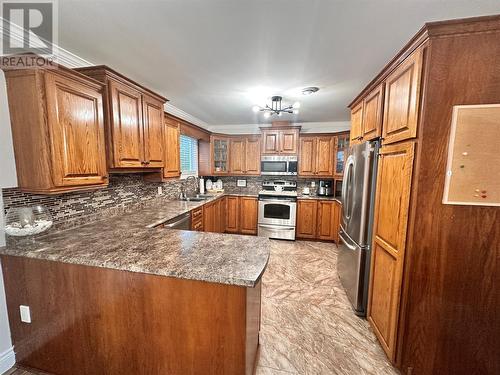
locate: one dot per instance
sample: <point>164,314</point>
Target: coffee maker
<point>325,188</point>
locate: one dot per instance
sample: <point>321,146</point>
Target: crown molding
<point>170,109</point>
<point>307,127</point>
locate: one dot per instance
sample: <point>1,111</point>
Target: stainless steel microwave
<point>277,165</point>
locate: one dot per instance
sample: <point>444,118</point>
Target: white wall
<point>7,179</point>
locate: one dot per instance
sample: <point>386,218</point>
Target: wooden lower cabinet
<point>391,218</point>
<point>214,216</point>
<point>306,218</point>
<point>232,214</point>
<point>93,320</point>
<point>248,215</point>
<point>197,219</point>
<point>328,220</point>
<point>318,219</point>
<point>241,215</point>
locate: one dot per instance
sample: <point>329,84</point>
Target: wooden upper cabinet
<point>402,98</point>
<point>307,159</point>
<point>237,156</point>
<point>219,151</point>
<point>153,132</point>
<point>372,114</point>
<point>306,218</point>
<point>341,147</point>
<point>289,141</point>
<point>76,126</point>
<point>127,127</point>
<point>270,141</point>
<point>244,155</point>
<point>134,121</point>
<point>280,141</point>
<point>252,156</point>
<point>316,156</point>
<point>172,133</point>
<point>57,121</point>
<point>356,123</point>
<point>389,241</point>
<point>248,215</point>
<point>325,154</point>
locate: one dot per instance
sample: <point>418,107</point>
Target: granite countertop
<point>129,242</point>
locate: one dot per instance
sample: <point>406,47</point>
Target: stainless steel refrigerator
<point>358,200</point>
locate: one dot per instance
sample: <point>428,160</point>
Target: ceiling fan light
<point>267,114</point>
<point>280,114</point>
<point>256,108</point>
<point>295,111</point>
<point>296,105</point>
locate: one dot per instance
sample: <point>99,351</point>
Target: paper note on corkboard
<point>473,169</point>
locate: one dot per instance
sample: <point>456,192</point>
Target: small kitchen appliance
<point>325,188</point>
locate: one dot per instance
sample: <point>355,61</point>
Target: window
<point>189,156</point>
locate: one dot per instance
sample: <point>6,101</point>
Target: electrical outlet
<point>160,190</point>
<point>25,314</point>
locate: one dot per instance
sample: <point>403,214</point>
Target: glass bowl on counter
<point>27,221</point>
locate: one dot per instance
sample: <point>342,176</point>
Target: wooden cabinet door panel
<point>325,154</point>
<point>127,129</point>
<point>252,156</point>
<point>402,97</point>
<point>171,146</point>
<point>326,220</point>
<point>307,156</point>
<point>372,114</point>
<point>75,115</point>
<point>356,123</point>
<point>271,142</point>
<point>237,156</point>
<point>248,215</point>
<point>232,215</point>
<point>153,132</point>
<point>390,224</point>
<point>209,219</point>
<point>306,218</point>
<point>289,141</point>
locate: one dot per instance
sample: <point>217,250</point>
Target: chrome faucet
<point>183,186</point>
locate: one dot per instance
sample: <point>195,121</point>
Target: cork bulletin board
<point>473,168</point>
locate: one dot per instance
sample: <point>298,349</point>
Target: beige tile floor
<point>308,327</point>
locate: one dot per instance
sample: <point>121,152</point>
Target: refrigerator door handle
<point>346,242</point>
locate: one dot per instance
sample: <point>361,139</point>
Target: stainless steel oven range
<point>277,210</point>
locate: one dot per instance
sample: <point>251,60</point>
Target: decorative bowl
<point>27,221</point>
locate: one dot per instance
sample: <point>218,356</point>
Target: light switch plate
<point>25,314</point>
<point>241,183</point>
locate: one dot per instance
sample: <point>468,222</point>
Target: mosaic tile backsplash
<point>254,183</point>
<point>123,192</point>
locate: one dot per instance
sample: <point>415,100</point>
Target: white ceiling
<point>214,59</point>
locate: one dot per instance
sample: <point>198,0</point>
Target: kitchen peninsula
<point>122,297</point>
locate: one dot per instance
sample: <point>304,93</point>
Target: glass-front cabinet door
<point>220,152</point>
<point>340,154</point>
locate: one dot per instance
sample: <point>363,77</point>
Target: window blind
<point>189,156</point>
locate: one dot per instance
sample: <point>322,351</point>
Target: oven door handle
<point>277,228</point>
<point>277,200</point>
